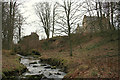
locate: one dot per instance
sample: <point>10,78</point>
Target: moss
<point>32,77</point>
<point>83,67</point>
<point>60,63</point>
<point>53,67</point>
<point>11,64</point>
<point>94,73</point>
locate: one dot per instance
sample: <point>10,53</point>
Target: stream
<point>39,70</point>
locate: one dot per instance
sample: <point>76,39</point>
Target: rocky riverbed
<point>39,70</point>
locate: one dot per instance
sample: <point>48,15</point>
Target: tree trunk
<point>69,35</point>
<point>100,23</point>
<point>108,15</point>
<point>97,9</point>
<point>118,15</point>
<point>100,9</point>
<point>47,32</point>
<point>53,22</point>
<point>112,15</point>
<point>19,28</point>
<point>10,27</point>
<point>19,33</point>
<point>70,44</point>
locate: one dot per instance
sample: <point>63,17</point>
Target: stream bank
<point>55,62</point>
<point>13,75</point>
<point>11,66</point>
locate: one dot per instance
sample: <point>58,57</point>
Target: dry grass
<point>92,57</point>
<point>10,62</point>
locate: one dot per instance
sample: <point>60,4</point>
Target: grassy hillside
<point>10,63</point>
<point>94,55</point>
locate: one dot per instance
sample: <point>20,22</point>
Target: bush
<point>45,45</point>
<point>12,53</point>
<point>94,73</point>
<point>35,52</point>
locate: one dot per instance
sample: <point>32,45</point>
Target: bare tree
<point>69,17</point>
<point>109,9</point>
<point>90,7</point>
<point>97,9</point>
<point>43,11</point>
<point>53,18</point>
<point>20,21</point>
<point>106,10</point>
<point>100,9</point>
<point>118,15</point>
<point>9,22</point>
<point>112,7</point>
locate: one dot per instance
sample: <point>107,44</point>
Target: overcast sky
<point>27,10</point>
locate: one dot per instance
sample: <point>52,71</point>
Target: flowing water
<point>35,68</point>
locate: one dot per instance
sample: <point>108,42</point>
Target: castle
<point>32,37</point>
<point>93,24</point>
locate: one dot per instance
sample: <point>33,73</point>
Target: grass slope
<point>10,62</point>
<point>94,55</point>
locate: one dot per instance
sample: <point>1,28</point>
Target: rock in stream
<point>40,71</point>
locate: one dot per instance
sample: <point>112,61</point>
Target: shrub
<point>94,73</point>
<point>35,52</point>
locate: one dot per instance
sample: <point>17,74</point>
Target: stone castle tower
<point>94,23</point>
